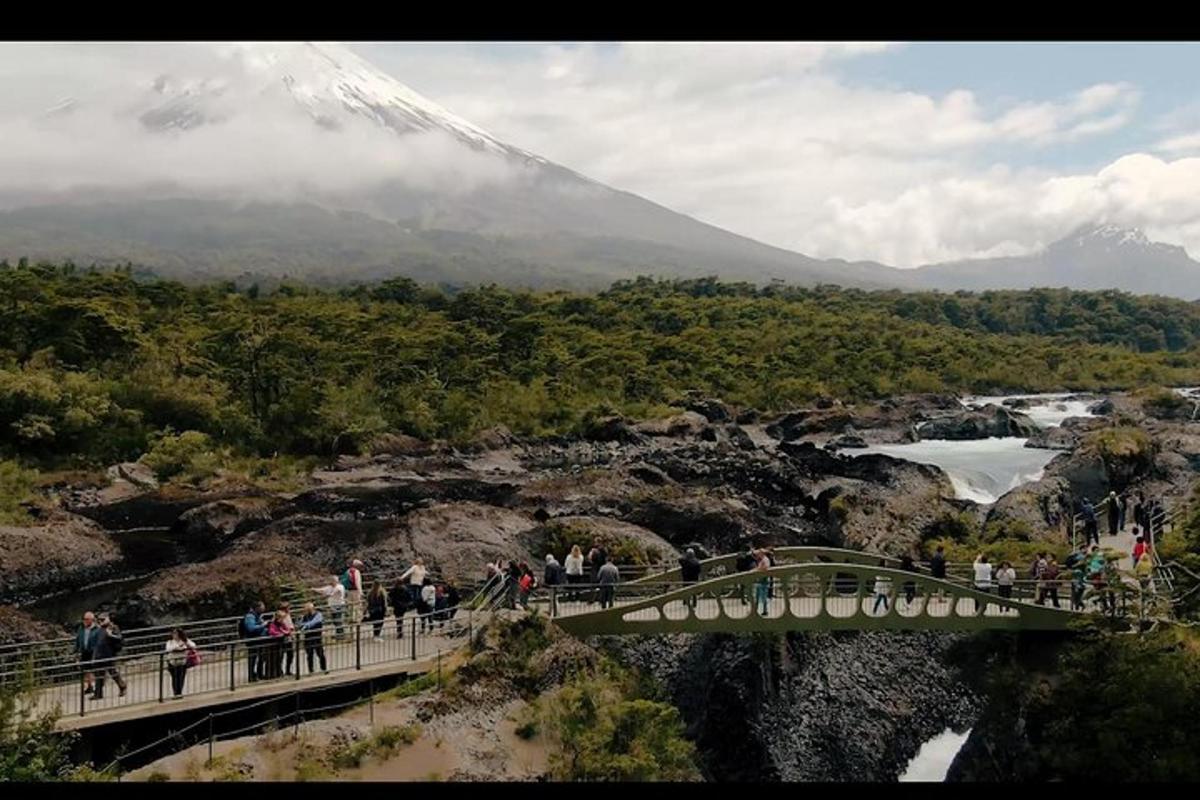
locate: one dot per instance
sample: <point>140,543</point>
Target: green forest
<point>101,366</point>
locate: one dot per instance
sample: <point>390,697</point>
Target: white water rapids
<point>933,760</point>
<point>981,470</point>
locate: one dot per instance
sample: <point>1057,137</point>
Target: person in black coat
<point>401,601</point>
<point>108,644</point>
<point>690,568</point>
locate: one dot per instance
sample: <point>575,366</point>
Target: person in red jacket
<point>1139,550</point>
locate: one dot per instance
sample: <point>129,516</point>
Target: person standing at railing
<point>284,616</point>
<point>335,594</point>
<point>910,587</point>
<point>276,641</point>
<point>1114,513</point>
<point>1139,549</point>
<point>181,655</point>
<point>427,601</point>
<point>253,631</point>
<point>983,576</point>
<point>597,558</point>
<point>552,574</point>
<point>883,589</point>
<point>377,609</point>
<point>415,575</point>
<point>607,577</point>
<point>352,582</point>
<point>1035,574</point>
<point>1091,529</point>
<point>109,644</point>
<point>512,585</point>
<point>312,626</point>
<point>525,584</point>
<point>1139,510</point>
<point>689,570</point>
<point>85,645</point>
<point>937,567</point>
<point>1048,582</point>
<point>1078,585</point>
<point>401,601</point>
<point>573,565</point>
<point>1122,507</point>
<point>1005,577</point>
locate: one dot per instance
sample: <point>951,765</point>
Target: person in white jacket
<point>983,576</point>
<point>573,566</point>
<point>416,578</point>
<point>181,654</point>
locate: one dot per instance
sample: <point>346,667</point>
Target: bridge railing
<point>838,595</point>
<point>1060,592</point>
<point>226,662</point>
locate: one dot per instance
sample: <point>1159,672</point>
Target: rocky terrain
<point>817,707</point>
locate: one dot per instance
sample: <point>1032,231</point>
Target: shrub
<point>190,452</point>
<point>16,490</point>
<point>560,537</point>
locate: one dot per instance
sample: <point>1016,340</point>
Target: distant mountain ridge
<point>1094,256</point>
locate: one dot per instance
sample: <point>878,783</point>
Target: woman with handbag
<point>181,655</point>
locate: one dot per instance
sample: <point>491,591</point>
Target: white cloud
<point>761,138</point>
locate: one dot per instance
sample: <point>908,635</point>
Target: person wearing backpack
<point>745,562</point>
<point>181,656</point>
<point>85,644</point>
<point>251,631</point>
<point>109,644</point>
<point>352,582</point>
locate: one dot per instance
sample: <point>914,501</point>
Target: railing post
<point>82,691</point>
<point>296,648</point>
<point>210,738</point>
<point>299,696</point>
<point>161,656</point>
<point>553,601</point>
<point>358,646</point>
<point>232,660</point>
<point>414,638</point>
<point>371,700</point>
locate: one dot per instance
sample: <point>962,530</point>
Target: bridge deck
<point>213,682</point>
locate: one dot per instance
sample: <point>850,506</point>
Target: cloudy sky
<point>901,153</point>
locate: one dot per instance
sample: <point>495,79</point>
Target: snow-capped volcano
<point>328,82</point>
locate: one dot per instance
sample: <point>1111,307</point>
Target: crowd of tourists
<point>272,640</point>
<point>1146,514</point>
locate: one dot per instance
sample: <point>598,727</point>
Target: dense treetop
<point>93,364</point>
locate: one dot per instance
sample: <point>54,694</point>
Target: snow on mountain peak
<point>327,81</point>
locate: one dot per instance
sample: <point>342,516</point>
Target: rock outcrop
<point>991,420</point>
<point>64,551</point>
<point>807,707</point>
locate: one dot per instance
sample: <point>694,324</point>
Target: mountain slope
<point>439,198</point>
<point>1092,257</point>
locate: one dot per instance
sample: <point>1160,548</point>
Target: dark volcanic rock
<point>209,527</point>
<point>62,553</point>
<point>991,420</point>
<point>807,707</point>
<point>713,410</point>
<point>1056,438</point>
<point>611,429</point>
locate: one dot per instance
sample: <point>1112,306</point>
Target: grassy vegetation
<point>597,717</point>
<point>16,491</point>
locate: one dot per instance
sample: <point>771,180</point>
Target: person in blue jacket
<point>252,630</point>
<point>85,645</point>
